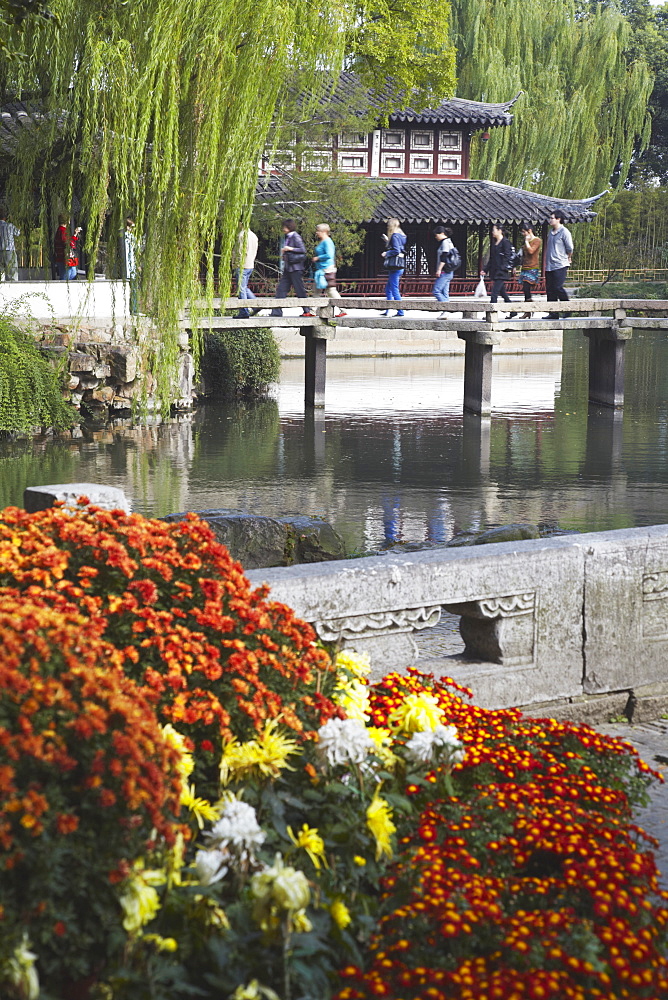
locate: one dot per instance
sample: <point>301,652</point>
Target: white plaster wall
<point>80,300</point>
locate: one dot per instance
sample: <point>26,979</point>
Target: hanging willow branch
<point>583,111</point>
<point>160,110</point>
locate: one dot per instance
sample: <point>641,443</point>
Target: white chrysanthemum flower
<point>344,741</point>
<point>211,866</point>
<point>22,972</point>
<point>237,827</point>
<point>423,746</point>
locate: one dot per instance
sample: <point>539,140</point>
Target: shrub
<point>243,361</point>
<point>87,783</point>
<point>624,290</point>
<point>30,390</point>
<point>221,659</point>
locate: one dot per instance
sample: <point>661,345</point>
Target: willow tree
<point>583,108</point>
<point>160,110</point>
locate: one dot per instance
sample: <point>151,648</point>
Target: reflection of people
<point>394,261</point>
<point>9,265</point>
<point>293,254</point>
<point>244,261</point>
<point>558,255</point>
<point>66,250</point>
<point>498,265</point>
<point>530,263</point>
<point>324,259</point>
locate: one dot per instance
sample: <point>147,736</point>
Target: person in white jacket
<point>246,252</point>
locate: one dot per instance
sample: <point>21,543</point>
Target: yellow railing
<point>621,274</point>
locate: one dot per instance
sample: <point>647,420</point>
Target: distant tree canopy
<point>585,92</point>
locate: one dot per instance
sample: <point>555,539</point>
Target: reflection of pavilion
<point>422,158</point>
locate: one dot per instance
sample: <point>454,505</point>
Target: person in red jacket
<point>66,250</point>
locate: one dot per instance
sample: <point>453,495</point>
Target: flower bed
<point>336,838</point>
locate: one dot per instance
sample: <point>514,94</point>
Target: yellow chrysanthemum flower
<point>140,902</point>
<point>202,809</point>
<point>382,739</point>
<point>359,860</point>
<point>353,697</point>
<point>178,741</point>
<point>254,991</point>
<point>417,713</point>
<point>264,757</point>
<point>358,664</point>
<point>161,943</point>
<point>379,822</point>
<point>309,838</point>
<point>340,914</point>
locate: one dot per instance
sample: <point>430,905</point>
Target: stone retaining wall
<point>572,620</point>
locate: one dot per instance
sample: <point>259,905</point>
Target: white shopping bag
<point>480,290</point>
<point>480,293</point>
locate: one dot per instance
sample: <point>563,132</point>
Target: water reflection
<point>392,458</point>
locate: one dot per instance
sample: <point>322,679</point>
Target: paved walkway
<point>651,741</point>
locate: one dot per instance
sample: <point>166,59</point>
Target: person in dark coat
<point>498,267</point>
<point>294,256</point>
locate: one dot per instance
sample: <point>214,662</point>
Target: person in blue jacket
<point>324,258</point>
<point>394,262</point>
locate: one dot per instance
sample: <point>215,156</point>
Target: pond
<point>392,457</point>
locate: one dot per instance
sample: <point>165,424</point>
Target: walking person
<point>498,266</point>
<point>9,265</point>
<point>558,256</point>
<point>324,258</point>
<point>293,254</point>
<point>394,260</point>
<point>448,260</point>
<point>244,258</point>
<point>530,271</point>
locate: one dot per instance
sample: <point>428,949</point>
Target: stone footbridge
<point>607,323</point>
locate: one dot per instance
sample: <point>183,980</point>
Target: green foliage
<point>30,389</point>
<point>241,361</point>
<point>583,111</point>
<point>161,111</point>
<point>624,290</point>
<point>629,231</point>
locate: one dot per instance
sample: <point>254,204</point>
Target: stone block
<point>80,362</point>
<point>102,371</point>
<point>73,382</point>
<point>122,362</point>
<point>42,497</point>
<point>104,394</point>
<point>256,540</point>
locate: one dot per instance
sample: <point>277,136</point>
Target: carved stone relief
<point>377,623</point>
<point>655,605</point>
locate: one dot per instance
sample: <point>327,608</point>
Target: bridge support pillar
<point>478,372</point>
<point>315,366</point>
<point>606,366</point>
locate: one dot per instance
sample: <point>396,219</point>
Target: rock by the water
<point>508,533</point>
<point>258,541</point>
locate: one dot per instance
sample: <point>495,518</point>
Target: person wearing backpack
<point>499,264</point>
<point>448,260</point>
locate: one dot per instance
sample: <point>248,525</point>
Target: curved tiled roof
<point>473,201</point>
<point>455,201</point>
<point>351,94</point>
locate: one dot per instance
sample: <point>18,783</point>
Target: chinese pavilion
<point>422,159</point>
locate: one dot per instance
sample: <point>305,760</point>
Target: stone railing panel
<point>626,608</point>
